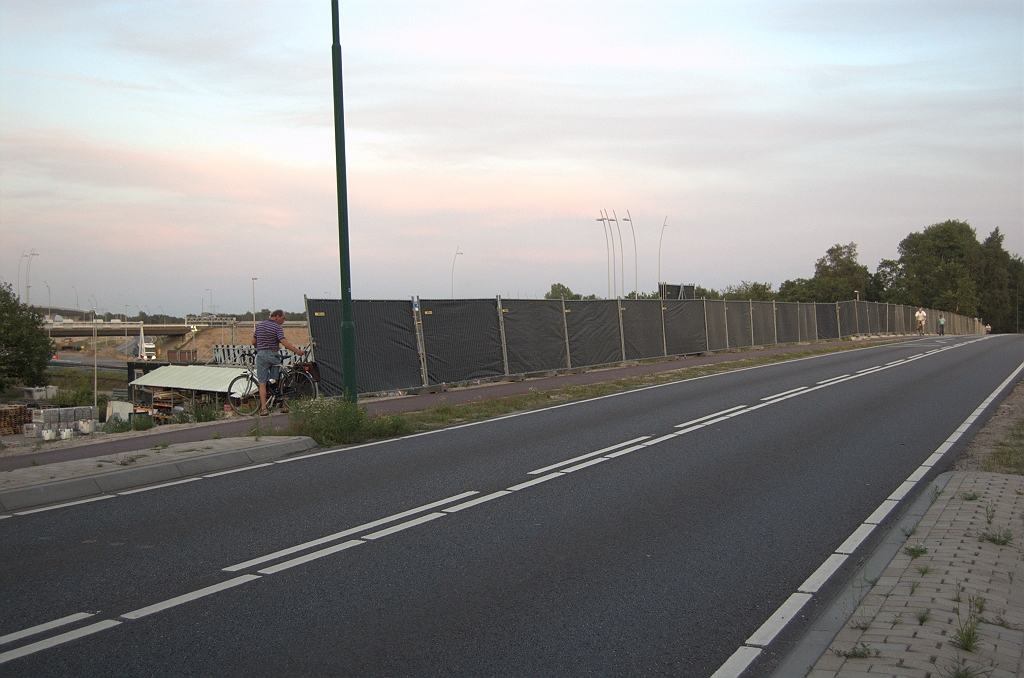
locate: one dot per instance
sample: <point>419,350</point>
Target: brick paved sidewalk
<point>910,623</point>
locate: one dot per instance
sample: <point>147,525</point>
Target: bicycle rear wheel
<point>303,386</point>
<point>244,395</point>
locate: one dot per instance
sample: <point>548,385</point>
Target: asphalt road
<point>660,556</point>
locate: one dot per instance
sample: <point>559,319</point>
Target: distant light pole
<point>28,273</point>
<point>254,304</point>
<point>622,254</point>
<point>23,256</point>
<point>636,274</point>
<point>76,298</point>
<point>660,294</point>
<point>857,292</point>
<point>49,310</point>
<point>454,259</point>
<point>615,280</point>
<point>607,252</point>
<point>211,299</point>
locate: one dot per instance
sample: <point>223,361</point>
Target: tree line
<point>944,267</point>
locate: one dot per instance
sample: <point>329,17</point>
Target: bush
<point>335,421</point>
<point>207,411</point>
<point>142,422</point>
<point>116,425</point>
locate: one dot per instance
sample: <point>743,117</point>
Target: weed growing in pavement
<point>990,512</point>
<point>959,589</point>
<point>915,551</point>
<point>127,460</point>
<point>966,636</point>
<point>861,625</point>
<point>861,651</point>
<point>970,496</point>
<point>162,445</point>
<point>997,537</point>
<point>913,587</point>
<point>332,422</point>
<point>935,493</point>
<point>1010,575</point>
<point>896,620</point>
<point>923,570</point>
<point>909,533</point>
<point>216,436</point>
<point>960,669</point>
<point>923,616</point>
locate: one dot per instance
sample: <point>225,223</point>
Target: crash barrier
<point>403,345</point>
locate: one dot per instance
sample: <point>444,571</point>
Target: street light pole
<point>615,280</point>
<point>348,327</point>
<point>607,253</point>
<point>457,253</point>
<point>660,239</point>
<point>23,255</point>
<point>49,311</point>
<point>636,274</point>
<point>76,298</point>
<point>622,254</point>
<point>254,305</point>
<point>28,273</point>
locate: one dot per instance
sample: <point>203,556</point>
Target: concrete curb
<point>817,639</point>
<point>115,481</point>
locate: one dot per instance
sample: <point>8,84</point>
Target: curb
<point>816,640</point>
<point>80,488</point>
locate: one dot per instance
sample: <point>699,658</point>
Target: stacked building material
<point>12,417</point>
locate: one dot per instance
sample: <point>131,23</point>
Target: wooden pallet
<point>12,417</point>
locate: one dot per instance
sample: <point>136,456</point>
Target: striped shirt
<point>268,336</point>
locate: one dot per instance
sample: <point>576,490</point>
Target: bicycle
<point>295,381</point>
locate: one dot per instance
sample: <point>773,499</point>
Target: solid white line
<point>404,526</point>
<point>855,539</point>
<point>822,574</point>
<point>779,395</point>
<point>274,569</point>
<point>778,621</point>
<point>478,500</point>
<point>57,640</point>
<point>884,509</point>
<point>188,597</point>
<point>710,416</point>
<point>2,517</point>
<point>900,492</point>
<point>344,533</point>
<point>70,503</point>
<point>236,470</point>
<point>634,448</point>
<point>535,481</point>
<point>586,456</point>
<point>918,474</point>
<point>33,630</point>
<point>157,487</point>
<point>737,663</point>
<point>584,465</point>
<point>826,381</point>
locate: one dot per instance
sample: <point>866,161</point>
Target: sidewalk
<point>951,603</point>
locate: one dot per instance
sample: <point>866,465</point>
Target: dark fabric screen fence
<point>402,345</point>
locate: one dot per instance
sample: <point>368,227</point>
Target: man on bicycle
<point>267,339</point>
<point>921,316</point>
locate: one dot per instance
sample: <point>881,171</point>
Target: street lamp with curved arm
<point>76,297</point>
<point>660,294</point>
<point>622,254</point>
<point>607,252</point>
<point>457,253</point>
<point>636,274</point>
<point>615,280</point>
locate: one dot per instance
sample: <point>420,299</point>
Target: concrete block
<point>31,430</point>
<point>213,462</point>
<point>50,493</point>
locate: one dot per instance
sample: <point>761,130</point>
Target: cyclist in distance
<point>921,316</point>
<point>267,339</point>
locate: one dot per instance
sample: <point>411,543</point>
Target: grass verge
<point>1008,457</point>
<point>332,422</point>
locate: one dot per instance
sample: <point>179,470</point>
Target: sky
<point>159,155</point>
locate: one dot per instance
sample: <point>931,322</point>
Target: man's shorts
<point>268,366</point>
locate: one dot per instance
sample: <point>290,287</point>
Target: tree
<point>560,291</point>
<point>25,349</point>
<point>941,267</point>
<point>750,291</point>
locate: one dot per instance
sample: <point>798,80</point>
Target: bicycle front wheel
<point>303,386</point>
<point>244,395</point>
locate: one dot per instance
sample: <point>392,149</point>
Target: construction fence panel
<point>387,358</point>
<point>684,327</point>
<point>827,321</point>
<point>461,339</point>
<point>737,313</point>
<point>908,319</point>
<point>863,324</point>
<point>808,321</point>
<point>890,319</point>
<point>848,323</point>
<point>715,317</point>
<point>641,327</point>
<point>594,337</point>
<point>763,318</point>
<point>787,322</point>
<point>878,314</point>
<point>534,335</point>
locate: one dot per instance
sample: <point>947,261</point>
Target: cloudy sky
<point>153,153</point>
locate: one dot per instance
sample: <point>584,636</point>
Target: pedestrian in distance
<point>988,329</point>
<point>921,317</point>
<point>942,325</point>
<point>268,338</point>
